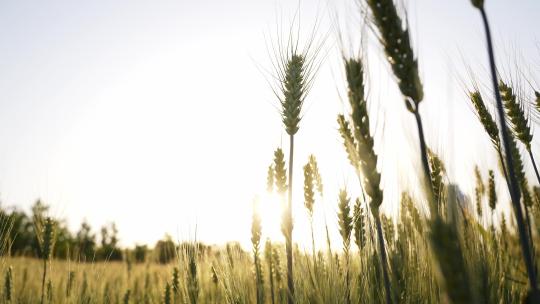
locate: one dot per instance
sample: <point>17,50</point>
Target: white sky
<point>156,115</point>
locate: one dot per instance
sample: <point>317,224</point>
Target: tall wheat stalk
<point>397,46</point>
<point>256,231</point>
<point>295,69</point>
<point>534,293</point>
<point>359,145</point>
<point>345,222</point>
<point>46,241</point>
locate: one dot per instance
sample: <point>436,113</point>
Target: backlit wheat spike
<point>361,131</point>
<point>348,140</point>
<point>359,225</point>
<point>316,174</point>
<point>518,120</point>
<point>280,179</point>
<point>492,192</point>
<point>394,37</point>
<point>520,173</point>
<point>270,179</point>
<point>397,46</point>
<point>479,191</point>
<point>294,91</point>
<point>309,199</point>
<point>345,222</point>
<point>485,118</point>
<point>309,194</point>
<point>280,172</point>
<point>437,173</point>
<point>367,159</point>
<point>516,115</point>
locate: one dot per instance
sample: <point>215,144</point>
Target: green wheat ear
<point>492,193</point>
<point>364,157</point>
<point>478,3</point>
<point>397,46</point>
<point>176,281</point>
<point>479,191</point>
<point>519,172</point>
<point>48,238</point>
<point>516,115</point>
<point>345,220</point>
<point>316,174</point>
<point>294,91</point>
<point>309,194</point>
<point>348,140</point>
<point>270,179</point>
<point>359,222</point>
<point>280,172</point>
<point>485,117</point>
<point>167,294</point>
<point>437,173</point>
<point>8,285</point>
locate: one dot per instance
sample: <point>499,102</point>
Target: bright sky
<point>156,115</point>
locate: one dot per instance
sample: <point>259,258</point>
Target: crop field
<point>443,245</point>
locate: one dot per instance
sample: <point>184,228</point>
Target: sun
<point>270,208</point>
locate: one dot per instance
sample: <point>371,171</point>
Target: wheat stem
<point>534,165</point>
<point>514,192</point>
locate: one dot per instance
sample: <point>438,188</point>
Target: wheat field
<point>443,246</point>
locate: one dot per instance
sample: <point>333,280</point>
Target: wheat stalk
<point>309,201</point>
<point>345,222</point>
<point>256,231</point>
<point>270,263</point>
<point>534,293</point>
<point>47,244</point>
<point>397,46</point>
<point>361,153</point>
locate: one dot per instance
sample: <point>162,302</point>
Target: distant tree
<point>109,244</point>
<point>86,242</point>
<point>139,253</point>
<point>165,250</point>
<point>65,242</point>
<point>18,234</point>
